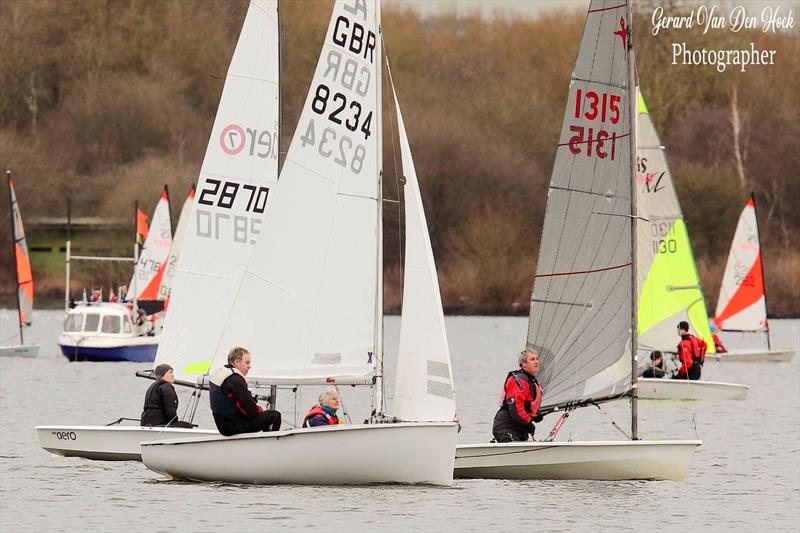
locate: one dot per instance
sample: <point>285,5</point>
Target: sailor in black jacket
<point>161,401</point>
<point>235,411</point>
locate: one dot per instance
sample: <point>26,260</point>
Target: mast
<point>14,246</point>
<point>632,105</point>
<point>281,155</point>
<point>67,255</point>
<point>379,278</point>
<point>135,252</point>
<point>761,258</point>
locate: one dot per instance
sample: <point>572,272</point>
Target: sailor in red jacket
<point>520,401</point>
<point>323,413</point>
<point>691,353</point>
<point>718,346</point>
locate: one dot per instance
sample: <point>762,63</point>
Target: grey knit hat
<point>161,370</point>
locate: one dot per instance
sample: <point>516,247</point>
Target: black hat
<point>161,370</point>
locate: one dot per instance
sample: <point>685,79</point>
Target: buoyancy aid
<point>332,420</point>
<point>691,351</point>
<point>520,385</point>
<point>221,402</point>
<point>718,344</point>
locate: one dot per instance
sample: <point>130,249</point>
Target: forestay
<point>187,210</point>
<point>742,304</point>
<point>306,307</point>
<point>581,305</point>
<point>238,172</point>
<point>668,282</point>
<point>424,385</point>
<point>22,261</point>
<point>149,270</point>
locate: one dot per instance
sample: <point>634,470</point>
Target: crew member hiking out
<point>520,401</point>
<point>234,409</point>
<point>691,353</point>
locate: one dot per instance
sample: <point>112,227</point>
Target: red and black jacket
<point>691,351</point>
<point>522,396</point>
<point>229,395</point>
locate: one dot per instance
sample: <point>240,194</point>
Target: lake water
<point>745,477</point>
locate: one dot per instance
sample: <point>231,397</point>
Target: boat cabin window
<point>127,327</point>
<point>111,324</point>
<point>92,321</point>
<point>73,322</point>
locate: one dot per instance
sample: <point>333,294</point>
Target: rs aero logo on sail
<point>235,140</point>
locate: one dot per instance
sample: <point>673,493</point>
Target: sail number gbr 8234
<point>342,100</point>
<point>595,141</point>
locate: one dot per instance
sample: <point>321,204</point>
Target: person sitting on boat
<point>657,368</point>
<point>144,327</point>
<point>520,401</point>
<point>720,348</point>
<point>691,353</point>
<point>234,408</point>
<point>161,401</point>
<point>323,413</point>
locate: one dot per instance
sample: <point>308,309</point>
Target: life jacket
<point>221,403</point>
<point>332,420</point>
<point>533,391</point>
<point>699,348</point>
<point>718,344</point>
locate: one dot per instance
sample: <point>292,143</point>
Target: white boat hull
<point>780,355</point>
<point>107,443</point>
<point>410,452</point>
<point>684,389</point>
<point>599,460</point>
<point>21,350</point>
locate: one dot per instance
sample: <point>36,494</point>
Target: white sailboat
<point>308,301</point>
<point>250,94</point>
<point>668,282</point>
<point>24,277</point>
<point>742,302</point>
<point>582,318</point>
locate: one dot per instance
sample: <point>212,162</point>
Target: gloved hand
<point>538,418</point>
<point>531,428</point>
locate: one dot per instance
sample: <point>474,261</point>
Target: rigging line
<point>615,267</point>
<point>538,448</point>
<point>603,83</point>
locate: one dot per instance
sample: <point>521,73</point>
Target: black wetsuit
<point>161,406</point>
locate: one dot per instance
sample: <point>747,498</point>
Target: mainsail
<point>742,303</point>
<point>580,318</point>
<point>239,170</point>
<point>668,282</point>
<point>152,262</point>
<point>22,260</point>
<point>424,383</point>
<point>167,279</point>
<point>314,278</point>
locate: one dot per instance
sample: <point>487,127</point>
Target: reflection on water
<point>746,475</point>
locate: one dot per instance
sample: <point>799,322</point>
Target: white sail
<point>580,315</point>
<point>306,304</point>
<point>424,382</point>
<point>239,170</point>
<point>668,282</point>
<point>742,304</point>
<point>187,210</point>
<point>149,270</point>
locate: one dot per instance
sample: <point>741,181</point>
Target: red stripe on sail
<point>750,290</point>
<point>151,291</point>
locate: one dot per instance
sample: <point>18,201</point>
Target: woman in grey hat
<point>161,401</point>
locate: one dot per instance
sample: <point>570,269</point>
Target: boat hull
<point>682,389</point>
<point>21,350</point>
<point>134,349</point>
<point>107,443</point>
<point>593,460</point>
<point>780,355</point>
<point>339,455</point>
